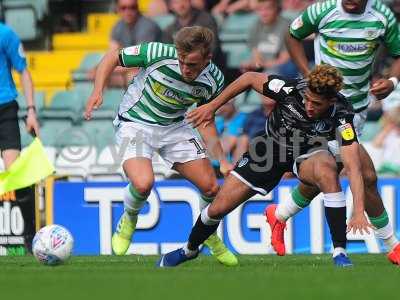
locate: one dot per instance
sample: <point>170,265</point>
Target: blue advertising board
<point>91,210</point>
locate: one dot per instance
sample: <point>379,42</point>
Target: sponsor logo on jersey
<point>276,85</point>
<point>346,132</point>
<point>351,48</point>
<point>297,23</point>
<point>243,162</point>
<point>322,126</point>
<point>288,89</point>
<point>293,110</point>
<point>133,50</point>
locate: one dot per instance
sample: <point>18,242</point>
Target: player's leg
<point>232,193</point>
<point>135,196</point>
<point>375,209</point>
<point>201,174</point>
<point>134,144</point>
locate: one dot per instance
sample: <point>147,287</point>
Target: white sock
<point>133,202</point>
<point>334,200</point>
<point>339,250</point>
<point>188,252</point>
<point>286,209</point>
<point>386,233</point>
<point>206,219</point>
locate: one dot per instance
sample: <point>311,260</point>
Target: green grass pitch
<point>257,277</point>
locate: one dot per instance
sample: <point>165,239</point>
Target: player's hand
<point>201,115</point>
<point>225,167</point>
<point>382,88</point>
<point>359,222</point>
<point>32,125</point>
<point>94,102</point>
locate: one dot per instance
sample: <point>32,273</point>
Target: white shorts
<point>174,143</point>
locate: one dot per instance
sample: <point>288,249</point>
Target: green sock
<point>299,199</point>
<point>380,221</point>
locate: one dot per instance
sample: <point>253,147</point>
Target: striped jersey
<point>349,41</point>
<point>158,95</point>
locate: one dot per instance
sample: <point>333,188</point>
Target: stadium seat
<point>26,138</point>
<point>65,104</point>
<point>51,153</point>
<point>248,102</point>
<point>101,132</point>
<point>236,27</point>
<point>22,19</point>
<point>80,41</point>
<point>89,62</point>
<point>237,53</point>
<point>164,20</point>
<point>101,22</point>
<point>111,100</point>
<point>52,131</point>
<point>39,103</point>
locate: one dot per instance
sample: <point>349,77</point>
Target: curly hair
<point>325,80</point>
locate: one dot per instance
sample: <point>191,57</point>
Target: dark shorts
<point>261,168</point>
<point>9,128</point>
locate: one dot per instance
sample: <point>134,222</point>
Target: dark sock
<point>200,232</point>
<point>336,218</point>
<point>26,202</point>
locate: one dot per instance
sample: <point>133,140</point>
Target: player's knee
<point>216,211</point>
<point>210,189</point>
<point>144,187</point>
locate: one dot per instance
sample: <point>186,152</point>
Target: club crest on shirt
<point>198,91</point>
<point>276,85</point>
<point>297,23</point>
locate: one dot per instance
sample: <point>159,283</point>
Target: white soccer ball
<point>52,245</point>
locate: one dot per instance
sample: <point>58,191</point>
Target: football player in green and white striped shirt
<point>347,35</point>
<point>151,119</point>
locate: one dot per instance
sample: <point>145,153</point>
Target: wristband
<point>394,80</point>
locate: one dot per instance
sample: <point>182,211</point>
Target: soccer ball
<point>52,245</point>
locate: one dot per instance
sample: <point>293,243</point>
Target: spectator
<point>12,56</point>
<point>387,142</point>
<point>133,28</point>
<point>267,41</point>
<point>187,15</point>
<point>229,123</point>
<point>227,7</point>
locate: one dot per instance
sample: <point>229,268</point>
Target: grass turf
<point>257,277</point>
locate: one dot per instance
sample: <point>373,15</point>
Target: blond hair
<point>189,39</point>
<point>325,80</point>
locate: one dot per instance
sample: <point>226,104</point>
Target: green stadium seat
<point>65,104</point>
<point>89,62</point>
<point>164,20</point>
<point>39,103</point>
<point>248,102</point>
<point>236,27</point>
<point>22,19</point>
<point>111,100</point>
<point>237,53</point>
<point>52,132</point>
<point>26,138</point>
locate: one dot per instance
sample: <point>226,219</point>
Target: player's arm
<point>15,54</point>
<point>134,56</point>
<point>303,26</point>
<point>350,154</point>
<point>383,87</point>
<point>209,135</point>
<point>205,113</point>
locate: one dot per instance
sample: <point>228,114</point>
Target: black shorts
<point>261,168</point>
<point>10,137</point>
